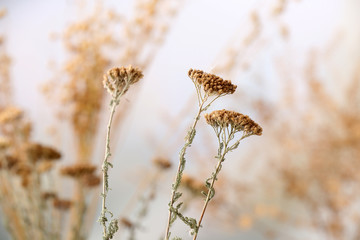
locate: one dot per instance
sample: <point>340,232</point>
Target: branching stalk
<point>175,185</point>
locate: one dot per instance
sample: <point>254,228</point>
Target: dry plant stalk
<point>225,124</point>
<point>209,87</point>
<point>117,82</point>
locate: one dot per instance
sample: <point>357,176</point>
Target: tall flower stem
<point>105,169</point>
<point>117,82</point>
<point>208,197</point>
<point>188,140</point>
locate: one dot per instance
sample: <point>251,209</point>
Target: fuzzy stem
<point>181,166</point>
<point>214,178</point>
<point>105,168</point>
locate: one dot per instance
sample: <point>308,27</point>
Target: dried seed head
<point>192,184</point>
<point>10,114</point>
<point>4,143</point>
<point>162,163</point>
<point>91,180</point>
<point>126,223</point>
<point>118,80</point>
<point>212,84</point>
<point>240,122</point>
<point>48,195</point>
<point>62,204</point>
<point>38,152</point>
<point>78,170</point>
<point>9,162</point>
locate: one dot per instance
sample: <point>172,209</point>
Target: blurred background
<point>297,67</point>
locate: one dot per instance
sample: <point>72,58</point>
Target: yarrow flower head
<point>118,80</point>
<point>38,152</point>
<point>78,170</point>
<point>211,84</point>
<point>10,114</point>
<point>239,122</point>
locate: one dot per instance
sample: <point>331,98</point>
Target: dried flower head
<point>78,170</point>
<point>48,195</point>
<point>22,169</point>
<point>193,184</point>
<point>4,143</point>
<point>91,180</point>
<point>9,162</point>
<point>126,223</point>
<point>118,80</point>
<point>239,122</point>
<point>212,84</point>
<point>10,114</point>
<point>38,152</point>
<point>62,204</point>
<point>162,163</point>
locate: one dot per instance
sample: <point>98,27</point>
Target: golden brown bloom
<point>62,204</point>
<point>9,162</point>
<point>162,163</point>
<point>224,118</point>
<point>37,152</point>
<point>193,184</point>
<point>118,80</point>
<point>92,180</point>
<point>126,222</point>
<point>212,84</point>
<point>10,114</point>
<point>78,170</point>
<point>48,195</point>
<point>4,143</point>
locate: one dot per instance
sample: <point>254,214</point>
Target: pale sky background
<point>198,35</point>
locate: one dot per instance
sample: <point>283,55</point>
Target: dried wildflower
<point>10,162</point>
<point>62,204</point>
<point>126,222</point>
<point>193,184</point>
<point>237,121</point>
<point>162,163</point>
<point>211,84</point>
<point>49,195</point>
<point>226,124</point>
<point>37,152</point>
<point>118,80</point>
<point>10,114</point>
<point>4,143</point>
<point>78,170</point>
<point>91,180</point>
<point>22,169</point>
<point>206,85</point>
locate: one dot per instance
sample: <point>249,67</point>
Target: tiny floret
<point>211,84</point>
<point>224,118</point>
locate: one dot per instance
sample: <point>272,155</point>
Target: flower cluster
<point>118,80</point>
<point>10,114</point>
<point>162,163</point>
<point>37,152</point>
<point>212,84</point>
<point>239,122</point>
<point>78,170</point>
